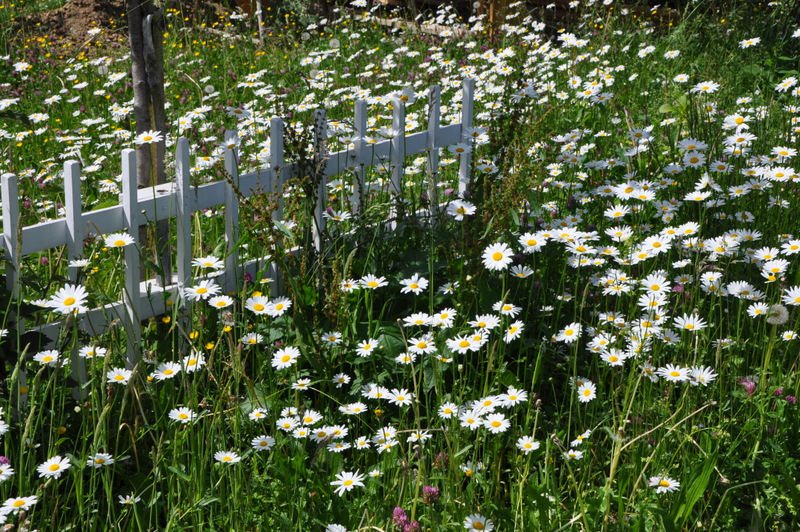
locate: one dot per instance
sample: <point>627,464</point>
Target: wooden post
<point>145,30</point>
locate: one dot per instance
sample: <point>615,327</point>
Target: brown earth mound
<point>71,22</point>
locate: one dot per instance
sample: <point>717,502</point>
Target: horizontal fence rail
<point>179,200</point>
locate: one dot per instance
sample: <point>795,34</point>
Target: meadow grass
<point>601,332</point>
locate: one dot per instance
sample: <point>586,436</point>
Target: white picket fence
<point>179,199</point>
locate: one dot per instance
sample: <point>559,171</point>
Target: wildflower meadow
<point>583,314</point>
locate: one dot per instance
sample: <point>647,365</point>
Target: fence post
<point>276,165</point>
<point>10,195</point>
<point>231,211</point>
<point>10,223</point>
<point>130,214</point>
<point>76,232</point>
<point>434,117</point>
<point>184,211</point>
<point>360,119</point>
<point>398,146</point>
<point>320,152</point>
<point>464,159</point>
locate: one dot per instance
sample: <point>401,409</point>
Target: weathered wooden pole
<point>146,32</point>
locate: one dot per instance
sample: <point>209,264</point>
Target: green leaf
<point>696,487</point>
<point>181,474</point>
<point>667,108</point>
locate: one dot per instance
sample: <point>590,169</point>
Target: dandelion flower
<point>54,467</point>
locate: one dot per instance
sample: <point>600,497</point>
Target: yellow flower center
<point>497,256</point>
<point>496,424</point>
<point>663,484</point>
<point>202,290</point>
<point>285,358</point>
<point>119,378</point>
<point>55,467</point>
<point>69,301</point>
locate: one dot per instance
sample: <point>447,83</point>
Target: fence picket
<point>320,153</point>
<point>360,129</point>
<point>465,159</point>
<point>231,212</point>
<point>184,211</point>
<point>76,232</point>
<point>130,208</point>
<point>434,117</point>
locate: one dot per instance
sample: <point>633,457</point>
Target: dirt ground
<point>71,22</point>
